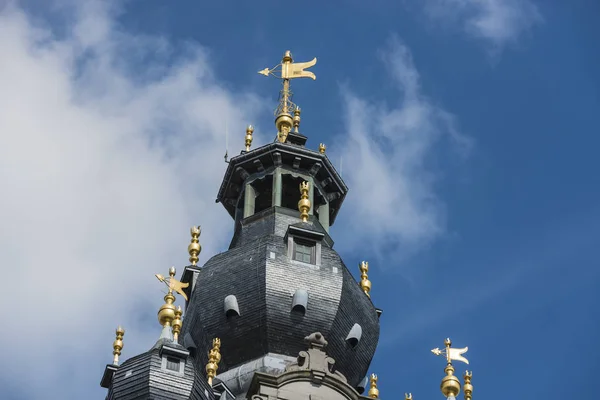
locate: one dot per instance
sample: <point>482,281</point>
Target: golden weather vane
<point>451,353</point>
<point>450,385</point>
<point>172,283</point>
<point>287,70</point>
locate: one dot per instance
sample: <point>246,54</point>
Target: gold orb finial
<point>214,356</point>
<point>304,203</point>
<point>468,388</point>
<point>373,391</point>
<point>296,119</point>
<point>450,385</point>
<point>195,247</point>
<point>166,312</point>
<point>118,344</point>
<point>249,131</point>
<point>284,123</point>
<point>177,323</point>
<point>365,283</point>
<point>322,148</point>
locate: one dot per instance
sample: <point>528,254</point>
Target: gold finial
<point>322,148</point>
<point>195,247</point>
<point>118,345</point>
<point>450,384</point>
<point>289,70</point>
<point>373,391</point>
<point>249,131</point>
<point>166,313</point>
<point>365,283</point>
<point>468,388</point>
<point>296,119</point>
<point>407,396</point>
<point>173,284</point>
<point>304,203</point>
<point>177,324</point>
<point>214,356</point>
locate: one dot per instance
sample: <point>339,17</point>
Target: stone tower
<point>290,319</point>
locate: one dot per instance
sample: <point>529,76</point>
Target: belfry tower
<point>278,315</point>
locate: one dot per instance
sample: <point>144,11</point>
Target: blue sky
<point>468,133</point>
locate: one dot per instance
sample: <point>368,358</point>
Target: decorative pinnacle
<point>177,324</point>
<point>249,131</point>
<point>407,396</point>
<point>468,388</point>
<point>118,345</point>
<point>287,70</point>
<point>304,203</point>
<point>214,356</point>
<point>296,119</point>
<point>450,385</point>
<point>322,148</point>
<point>365,283</point>
<point>166,313</point>
<point>172,283</point>
<point>373,391</point>
<point>195,247</point>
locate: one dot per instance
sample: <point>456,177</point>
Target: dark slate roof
<point>257,270</point>
<point>275,220</point>
<point>143,377</point>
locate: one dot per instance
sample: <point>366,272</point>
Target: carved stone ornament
<point>316,360</point>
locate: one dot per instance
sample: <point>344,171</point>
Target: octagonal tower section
<point>280,280</point>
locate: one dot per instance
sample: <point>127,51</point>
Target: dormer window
<point>304,251</point>
<point>172,364</point>
<point>304,244</point>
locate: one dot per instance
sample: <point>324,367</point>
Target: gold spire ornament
<point>167,312</point>
<point>177,324</point>
<point>304,203</point>
<point>173,284</point>
<point>322,148</point>
<point>365,283</point>
<point>285,71</point>
<point>407,396</point>
<point>296,119</point>
<point>468,388</point>
<point>214,356</point>
<point>249,132</point>
<point>118,345</point>
<point>373,391</point>
<point>450,385</point>
<point>195,247</point>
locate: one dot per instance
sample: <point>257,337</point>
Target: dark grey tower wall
<point>260,275</point>
<point>259,272</point>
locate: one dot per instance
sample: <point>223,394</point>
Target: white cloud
<point>102,171</point>
<point>103,167</point>
<point>392,204</point>
<point>497,21</point>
